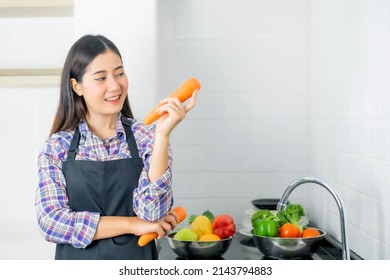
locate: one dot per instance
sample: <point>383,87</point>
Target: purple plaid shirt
<point>58,223</point>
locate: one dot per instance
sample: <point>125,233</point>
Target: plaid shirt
<point>57,221</point>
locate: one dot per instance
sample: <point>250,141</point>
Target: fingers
<point>171,218</point>
<point>191,102</point>
<point>167,227</point>
<point>171,104</point>
<point>160,232</point>
<point>167,223</point>
<point>172,112</point>
<point>174,214</point>
<point>171,109</point>
<point>174,109</point>
<point>162,227</point>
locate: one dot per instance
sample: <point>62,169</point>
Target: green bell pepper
<point>268,228</point>
<point>264,223</point>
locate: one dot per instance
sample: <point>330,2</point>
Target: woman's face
<point>104,85</point>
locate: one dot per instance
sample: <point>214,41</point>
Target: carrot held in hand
<point>184,92</point>
<point>144,239</point>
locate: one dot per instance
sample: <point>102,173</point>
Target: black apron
<point>105,187</point>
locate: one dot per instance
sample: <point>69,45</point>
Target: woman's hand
<point>168,223</point>
<point>176,112</point>
<point>162,227</point>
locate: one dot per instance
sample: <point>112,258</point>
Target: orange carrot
<point>183,93</point>
<point>146,238</point>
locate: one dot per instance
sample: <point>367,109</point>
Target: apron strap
<point>74,145</point>
<point>130,137</point>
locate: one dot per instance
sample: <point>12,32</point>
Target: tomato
<point>224,226</point>
<point>310,232</point>
<point>289,231</point>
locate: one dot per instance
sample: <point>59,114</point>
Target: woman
<point>104,178</point>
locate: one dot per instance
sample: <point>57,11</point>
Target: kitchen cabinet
<point>35,3</point>
<point>27,77</point>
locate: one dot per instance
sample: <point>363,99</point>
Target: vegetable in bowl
<point>282,236</point>
<point>265,223</point>
<point>292,214</point>
<point>289,248</point>
<point>284,224</point>
<point>208,237</point>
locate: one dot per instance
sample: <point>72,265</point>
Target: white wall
<point>290,88</point>
<point>131,25</point>
<point>26,114</point>
<point>247,137</point>
<point>349,118</point>
<point>33,42</point>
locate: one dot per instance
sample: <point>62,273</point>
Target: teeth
<point>113,98</point>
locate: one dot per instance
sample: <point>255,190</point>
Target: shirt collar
<point>84,129</point>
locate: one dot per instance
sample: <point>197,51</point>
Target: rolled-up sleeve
<point>151,201</point>
<point>57,222</point>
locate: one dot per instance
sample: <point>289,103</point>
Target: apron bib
<point>105,187</point>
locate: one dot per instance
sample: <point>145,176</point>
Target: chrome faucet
<point>283,203</point>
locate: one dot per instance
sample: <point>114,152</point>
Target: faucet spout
<point>283,203</point>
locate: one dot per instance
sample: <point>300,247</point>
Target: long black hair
<point>72,108</point>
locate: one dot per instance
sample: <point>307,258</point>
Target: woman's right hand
<point>176,112</point>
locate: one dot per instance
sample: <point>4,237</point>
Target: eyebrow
<point>104,71</point>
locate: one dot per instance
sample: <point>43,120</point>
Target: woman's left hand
<point>176,112</point>
<point>168,222</point>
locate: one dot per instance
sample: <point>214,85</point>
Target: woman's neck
<point>103,126</point>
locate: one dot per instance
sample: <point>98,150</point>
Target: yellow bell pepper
<point>201,225</point>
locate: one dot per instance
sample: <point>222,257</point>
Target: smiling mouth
<point>113,98</point>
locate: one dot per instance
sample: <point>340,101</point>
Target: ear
<point>76,87</point>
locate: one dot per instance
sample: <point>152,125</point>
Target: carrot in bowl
<point>184,92</point>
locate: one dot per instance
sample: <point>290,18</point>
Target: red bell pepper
<point>223,226</point>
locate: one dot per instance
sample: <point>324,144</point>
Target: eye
<point>120,74</point>
<point>100,78</point>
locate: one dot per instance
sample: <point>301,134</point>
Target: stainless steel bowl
<point>288,248</point>
<point>199,249</point>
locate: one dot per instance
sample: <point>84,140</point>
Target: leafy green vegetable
<point>209,215</point>
<point>263,215</point>
<point>292,214</point>
<point>191,218</point>
<point>206,213</point>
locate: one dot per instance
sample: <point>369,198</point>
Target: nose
<point>112,84</point>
